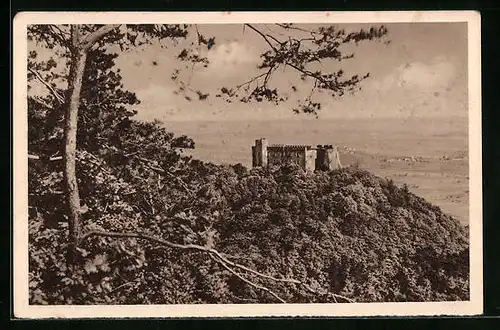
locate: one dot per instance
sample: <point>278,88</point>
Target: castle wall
<point>283,155</point>
<point>324,157</point>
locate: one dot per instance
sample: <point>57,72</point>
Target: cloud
<point>416,88</point>
<point>155,92</point>
<point>232,54</point>
<point>437,75</point>
<point>155,101</point>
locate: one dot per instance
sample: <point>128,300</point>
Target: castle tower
<point>310,156</point>
<point>321,159</point>
<point>259,153</point>
<point>327,158</point>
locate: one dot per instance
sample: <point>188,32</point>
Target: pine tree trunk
<point>79,50</point>
<point>77,67</point>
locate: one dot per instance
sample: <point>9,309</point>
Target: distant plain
<point>430,155</point>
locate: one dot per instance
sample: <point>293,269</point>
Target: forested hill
<point>160,228</point>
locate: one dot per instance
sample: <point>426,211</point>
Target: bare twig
<point>35,157</point>
<point>290,27</point>
<point>260,287</point>
<point>121,286</point>
<point>263,36</point>
<point>268,74</point>
<point>226,260</point>
<point>198,34</point>
<point>272,37</point>
<point>41,102</point>
<point>106,98</point>
<point>251,80</point>
<point>132,153</point>
<point>67,33</point>
<point>56,94</point>
<point>194,247</point>
<point>162,171</point>
<point>244,299</point>
<point>61,35</point>
<point>313,89</point>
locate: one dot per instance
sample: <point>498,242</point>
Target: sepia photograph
<point>247,164</point>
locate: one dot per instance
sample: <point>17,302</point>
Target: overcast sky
<point>421,72</point>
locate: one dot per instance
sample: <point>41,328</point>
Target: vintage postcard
<point>235,164</point>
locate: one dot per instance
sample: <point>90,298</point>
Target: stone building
<point>323,157</point>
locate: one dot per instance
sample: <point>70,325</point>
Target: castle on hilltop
<point>323,157</point>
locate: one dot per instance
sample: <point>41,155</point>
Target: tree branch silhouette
<point>214,255</point>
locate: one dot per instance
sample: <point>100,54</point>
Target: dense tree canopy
<point>320,237</point>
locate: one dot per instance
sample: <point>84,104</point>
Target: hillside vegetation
<point>160,228</point>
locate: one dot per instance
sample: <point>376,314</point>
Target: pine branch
<point>272,66</point>
<point>306,72</point>
<point>93,37</point>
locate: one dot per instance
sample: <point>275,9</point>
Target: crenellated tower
<point>259,153</point>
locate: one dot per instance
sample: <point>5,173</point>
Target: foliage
<point>345,232</point>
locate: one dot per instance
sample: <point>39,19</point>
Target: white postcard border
<point>22,309</point>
